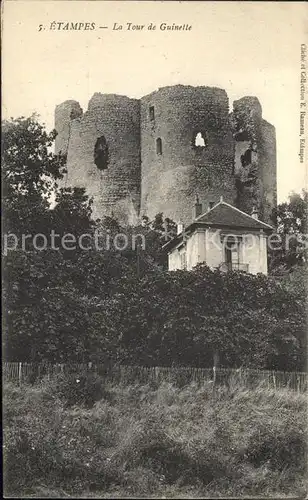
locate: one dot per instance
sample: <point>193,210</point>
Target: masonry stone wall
<point>141,157</point>
<point>171,180</point>
<point>64,114</point>
<point>255,158</point>
<point>268,169</point>
<point>115,183</point>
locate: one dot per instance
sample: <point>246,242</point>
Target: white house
<point>223,237</point>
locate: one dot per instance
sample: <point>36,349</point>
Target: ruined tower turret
<point>103,153</point>
<point>64,114</point>
<point>141,157</point>
<point>187,149</point>
<point>255,158</point>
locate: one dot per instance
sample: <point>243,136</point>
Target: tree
<point>292,224</point>
<point>72,217</point>
<point>29,173</point>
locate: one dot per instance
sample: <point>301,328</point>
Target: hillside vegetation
<point>157,441</point>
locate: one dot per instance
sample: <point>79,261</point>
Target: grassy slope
<point>163,441</point>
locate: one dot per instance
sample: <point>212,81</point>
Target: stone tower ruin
<point>141,157</point>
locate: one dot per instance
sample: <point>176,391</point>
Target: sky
<point>247,48</point>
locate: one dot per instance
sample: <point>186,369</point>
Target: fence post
<point>214,376</point>
<point>19,373</point>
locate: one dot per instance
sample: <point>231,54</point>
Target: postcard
<point>154,245</point>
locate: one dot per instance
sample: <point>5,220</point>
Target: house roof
<point>227,215</point>
<point>222,215</point>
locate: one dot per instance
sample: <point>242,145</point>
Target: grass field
<point>70,436</point>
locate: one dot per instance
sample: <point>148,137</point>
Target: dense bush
<point>180,317</point>
<point>185,317</point>
<point>79,388</point>
<point>165,442</point>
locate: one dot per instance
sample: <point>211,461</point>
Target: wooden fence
<point>31,372</point>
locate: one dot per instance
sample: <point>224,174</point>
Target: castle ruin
<point>143,156</point>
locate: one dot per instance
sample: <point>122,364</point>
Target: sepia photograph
<point>154,249</point>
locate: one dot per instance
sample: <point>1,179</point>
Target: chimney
<point>179,228</point>
<point>255,213</point>
<point>197,208</point>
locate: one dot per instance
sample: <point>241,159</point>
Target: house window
<point>159,146</point>
<point>232,254</point>
<point>211,204</point>
<point>151,113</point>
